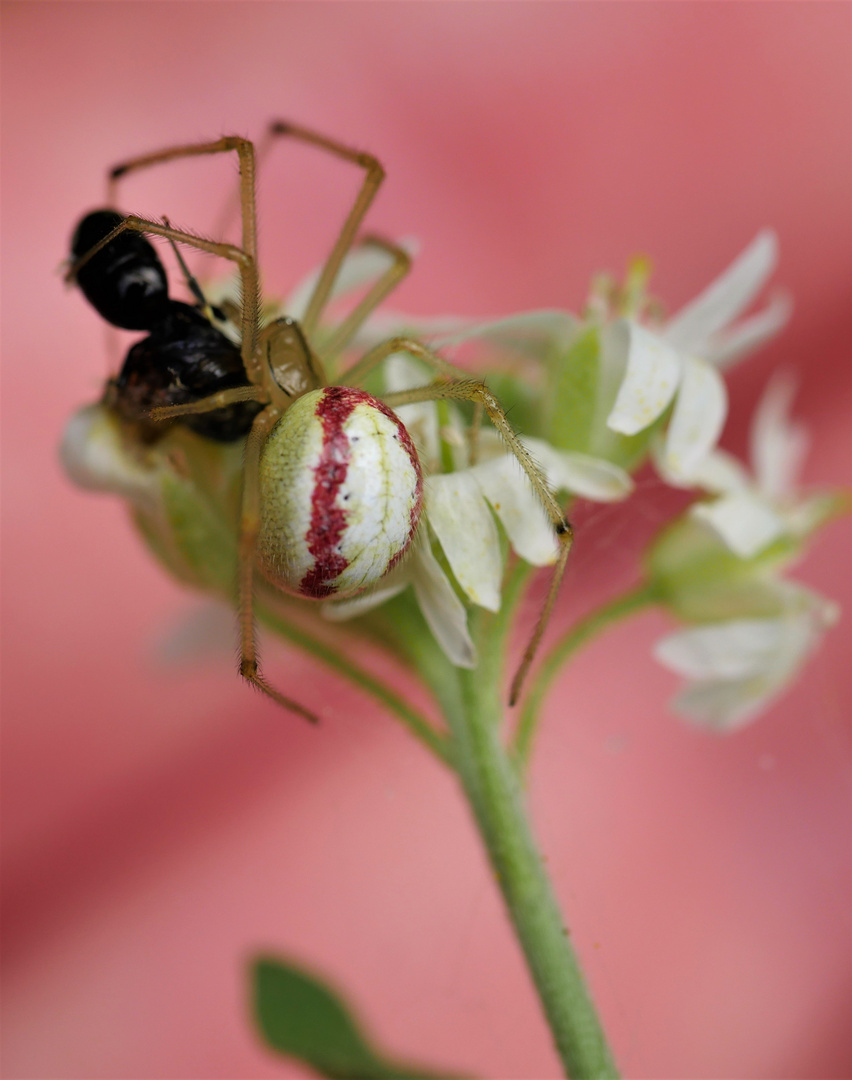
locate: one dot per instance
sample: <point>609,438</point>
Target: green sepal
<point>573,375</point>
<point>699,579</point>
<point>628,451</point>
<point>193,528</point>
<point>301,1016</point>
<point>577,401</point>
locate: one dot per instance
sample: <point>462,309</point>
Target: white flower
<point>642,370</point>
<point>458,508</point>
<point>736,668</point>
<point>751,512</point>
<point>458,501</point>
<point>95,455</point>
<point>681,362</point>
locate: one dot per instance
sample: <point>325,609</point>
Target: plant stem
<point>578,635</point>
<point>472,702</point>
<point>490,782</point>
<point>417,724</point>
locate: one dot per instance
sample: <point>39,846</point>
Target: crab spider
<point>332,485</point>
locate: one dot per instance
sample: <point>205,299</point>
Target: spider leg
<point>358,372</point>
<point>249,529</point>
<point>473,435</point>
<point>478,392</point>
<point>370,185</point>
<point>382,287</point>
<point>248,274</point>
<point>245,153</point>
<point>215,401</point>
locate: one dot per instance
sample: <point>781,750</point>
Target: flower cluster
<point>605,391</point>
<point>623,382</point>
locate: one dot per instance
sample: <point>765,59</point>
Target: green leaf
<point>300,1016</point>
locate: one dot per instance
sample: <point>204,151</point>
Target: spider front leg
<point>249,530</point>
<point>248,273</point>
<point>477,392</point>
<point>246,156</point>
<point>250,519</point>
<point>358,372</point>
<point>220,400</point>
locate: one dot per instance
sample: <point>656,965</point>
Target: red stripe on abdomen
<point>328,521</point>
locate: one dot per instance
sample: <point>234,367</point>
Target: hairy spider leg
<point>250,517</point>
<point>346,330</point>
<point>262,390</point>
<point>248,277</point>
<point>264,422</point>
<point>374,175</point>
<point>231,203</point>
<point>477,392</point>
<point>379,353</point>
<point>401,261</point>
<point>245,154</point>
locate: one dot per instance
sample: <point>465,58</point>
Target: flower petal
<point>342,610</point>
<point>810,513</point>
<point>730,650</point>
<point>652,376</point>
<point>581,474</point>
<point>719,472</point>
<point>730,699</point>
<point>725,706</point>
<point>384,325</point>
<point>778,446</point>
<point>613,353</point>
<point>421,419</point>
<point>444,613</point>
<point>527,332</point>
<point>460,518</point>
<point>730,294</point>
<point>95,457</point>
<point>506,487</point>
<point>729,346</point>
<point>698,416</point>
<point>745,522</point>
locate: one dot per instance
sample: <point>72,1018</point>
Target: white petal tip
<point>94,457</point>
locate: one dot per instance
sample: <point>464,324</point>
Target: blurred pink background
<point>160,822</point>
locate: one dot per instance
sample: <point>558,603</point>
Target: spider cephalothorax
<point>332,486</point>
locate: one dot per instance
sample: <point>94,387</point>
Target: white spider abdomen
<point>341,492</point>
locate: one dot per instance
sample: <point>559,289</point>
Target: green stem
<point>417,724</point>
<point>578,635</point>
<point>490,782</point>
<point>472,702</point>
